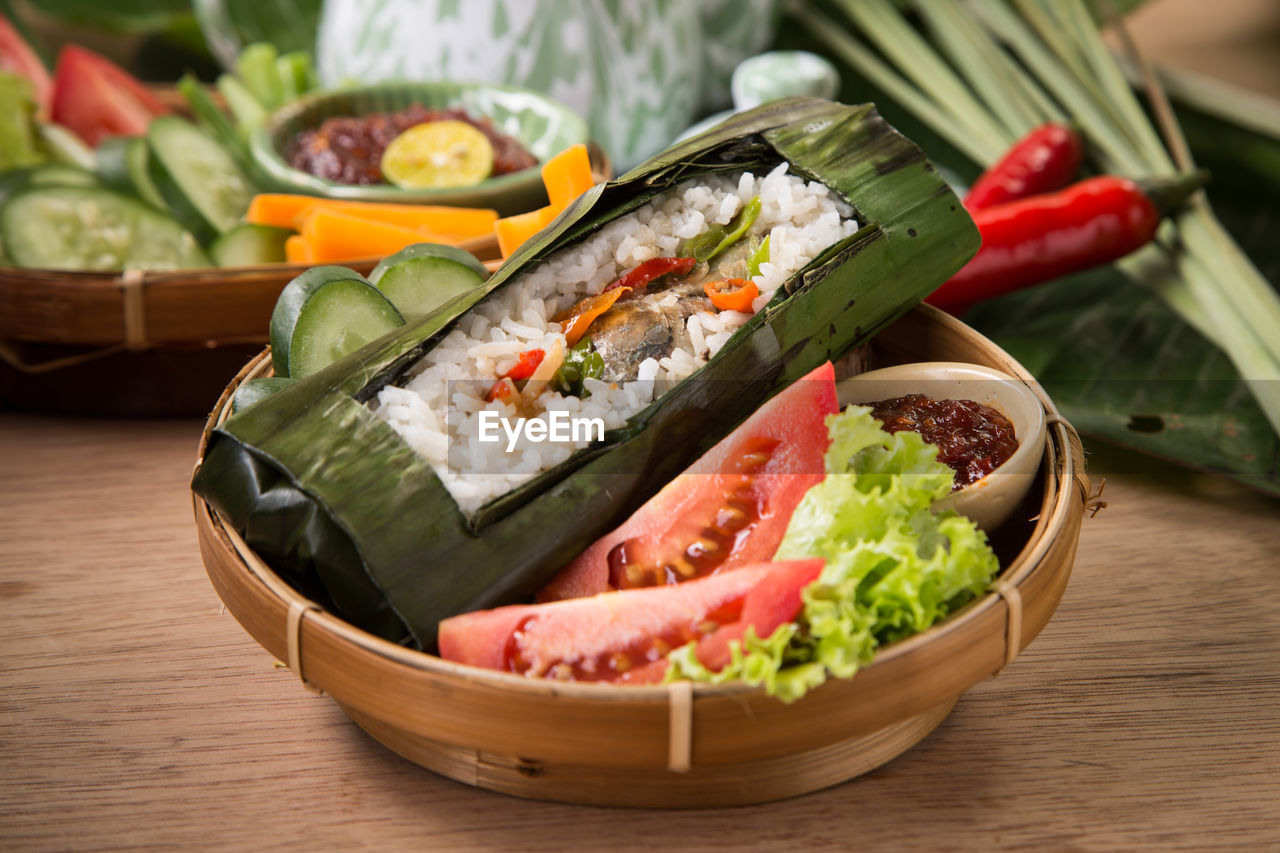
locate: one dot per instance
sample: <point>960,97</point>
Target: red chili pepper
<point>501,390</point>
<point>732,294</point>
<point>639,277</point>
<point>1036,239</point>
<point>526,364</point>
<point>1044,160</point>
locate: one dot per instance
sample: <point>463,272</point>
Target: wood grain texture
<point>135,713</point>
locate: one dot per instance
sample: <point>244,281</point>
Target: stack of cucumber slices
<point>170,200</point>
<point>329,312</point>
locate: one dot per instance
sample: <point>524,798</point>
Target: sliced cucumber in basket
<point>256,390</point>
<point>198,179</point>
<point>49,175</point>
<point>64,147</point>
<point>91,228</point>
<point>420,278</point>
<point>122,165</point>
<point>324,314</point>
<point>250,245</point>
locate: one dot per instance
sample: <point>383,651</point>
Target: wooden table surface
<point>136,713</point>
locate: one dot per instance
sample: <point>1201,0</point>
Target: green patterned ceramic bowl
<point>544,126</point>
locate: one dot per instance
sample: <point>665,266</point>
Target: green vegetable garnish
<point>893,568</point>
<point>17,124</point>
<point>580,362</point>
<point>717,238</point>
<point>759,255</point>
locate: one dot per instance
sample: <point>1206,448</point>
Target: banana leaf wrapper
<point>333,499</point>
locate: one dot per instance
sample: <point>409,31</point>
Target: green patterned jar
<point>632,68</point>
<point>732,30</point>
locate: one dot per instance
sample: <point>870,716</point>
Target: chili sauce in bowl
<point>988,426</point>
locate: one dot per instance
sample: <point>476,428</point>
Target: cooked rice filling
<point>662,337</point>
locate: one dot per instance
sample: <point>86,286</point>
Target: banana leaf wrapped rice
<point>336,482</point>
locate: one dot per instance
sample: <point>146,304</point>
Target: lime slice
<point>438,154</point>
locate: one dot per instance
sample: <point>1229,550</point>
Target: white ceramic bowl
<point>991,500</point>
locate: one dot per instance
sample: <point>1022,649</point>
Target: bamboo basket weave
<point>680,745</point>
<point>138,343</point>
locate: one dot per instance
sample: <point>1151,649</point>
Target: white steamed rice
<point>437,411</point>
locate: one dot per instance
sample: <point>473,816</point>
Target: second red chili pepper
<point>1036,239</point>
<point>1044,160</point>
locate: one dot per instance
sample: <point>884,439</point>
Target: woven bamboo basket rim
<point>330,655</point>
<point>139,310</point>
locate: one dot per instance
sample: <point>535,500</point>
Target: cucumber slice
<point>197,177</point>
<point>324,314</point>
<point>63,146</point>
<point>250,245</point>
<point>48,175</point>
<point>122,166</point>
<point>256,390</point>
<point>420,278</point>
<point>337,320</point>
<point>89,228</point>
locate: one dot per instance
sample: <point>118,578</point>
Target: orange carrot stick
<point>340,237</point>
<point>515,230</point>
<point>567,175</point>
<point>297,250</point>
<point>456,223</point>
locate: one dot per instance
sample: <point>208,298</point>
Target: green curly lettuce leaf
<point>893,567</point>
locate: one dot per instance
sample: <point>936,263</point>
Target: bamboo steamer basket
<point>680,745</point>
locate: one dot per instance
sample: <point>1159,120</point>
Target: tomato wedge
<point>17,56</point>
<point>96,98</point>
<point>625,636</point>
<point>729,508</point>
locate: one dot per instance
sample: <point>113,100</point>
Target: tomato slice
<point>729,508</point>
<point>17,56</point>
<point>97,98</point>
<point>626,636</point>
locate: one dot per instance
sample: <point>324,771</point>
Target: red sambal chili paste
<point>348,149</point>
<point>972,439</point>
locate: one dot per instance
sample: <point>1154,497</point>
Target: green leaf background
<point>1120,365</point>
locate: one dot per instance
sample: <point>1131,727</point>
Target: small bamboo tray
<point>67,335</point>
<point>680,745</point>
<point>148,343</point>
